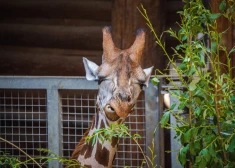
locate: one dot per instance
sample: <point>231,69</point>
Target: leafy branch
<point>22,152</point>
<point>14,162</point>
<point>207,132</point>
<point>120,130</point>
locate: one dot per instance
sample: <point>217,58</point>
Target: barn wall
<point>51,37</point>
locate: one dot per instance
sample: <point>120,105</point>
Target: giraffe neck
<point>100,154</point>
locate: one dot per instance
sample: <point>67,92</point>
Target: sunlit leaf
<point>172,106</point>
<point>192,85</point>
<point>155,81</point>
<point>182,154</point>
<point>93,141</point>
<point>165,118</point>
<point>214,16</point>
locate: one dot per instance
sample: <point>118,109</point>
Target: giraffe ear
<point>91,69</point>
<point>148,72</point>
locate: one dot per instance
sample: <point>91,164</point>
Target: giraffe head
<point>120,76</point>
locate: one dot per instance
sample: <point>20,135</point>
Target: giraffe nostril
<point>109,108</point>
<point>129,99</point>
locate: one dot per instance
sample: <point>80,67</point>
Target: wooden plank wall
<point>126,19</point>
<point>51,37</point>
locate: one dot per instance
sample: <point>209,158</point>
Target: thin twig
<point>21,151</point>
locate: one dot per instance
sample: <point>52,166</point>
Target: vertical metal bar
<point>175,144</point>
<point>152,119</point>
<point>161,130</point>
<point>54,124</point>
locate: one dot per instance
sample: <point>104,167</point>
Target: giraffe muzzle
<point>122,109</point>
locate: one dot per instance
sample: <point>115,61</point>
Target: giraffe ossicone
<point>121,79</point>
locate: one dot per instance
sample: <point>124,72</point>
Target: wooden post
<point>222,25</point>
<point>126,20</point>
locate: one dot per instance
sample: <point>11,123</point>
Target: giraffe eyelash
<point>100,80</point>
<point>142,85</point>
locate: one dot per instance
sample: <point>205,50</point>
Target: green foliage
<point>155,81</point>
<point>207,133</point>
<point>115,130</point>
<point>121,130</point>
<point>51,156</point>
<point>7,160</point>
<point>165,118</point>
<point>227,8</point>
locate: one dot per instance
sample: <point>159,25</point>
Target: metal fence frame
<point>52,85</point>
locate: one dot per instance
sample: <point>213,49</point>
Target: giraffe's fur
<point>100,154</point>
<point>80,145</point>
<point>120,82</point>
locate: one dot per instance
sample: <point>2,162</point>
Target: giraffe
<point>120,79</point>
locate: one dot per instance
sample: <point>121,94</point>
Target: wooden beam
<point>44,62</point>
<point>68,37</point>
<point>52,51</point>
<point>126,20</point>
<point>63,9</point>
<point>55,22</point>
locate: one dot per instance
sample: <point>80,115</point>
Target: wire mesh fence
<point>23,122</point>
<point>34,110</point>
<point>78,109</point>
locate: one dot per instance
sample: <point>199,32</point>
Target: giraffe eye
<point>142,85</point>
<point>100,80</point>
